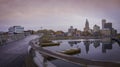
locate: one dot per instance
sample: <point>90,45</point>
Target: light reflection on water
<point>93,49</point>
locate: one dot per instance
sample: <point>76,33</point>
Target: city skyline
<point>58,14</point>
<point>86,27</point>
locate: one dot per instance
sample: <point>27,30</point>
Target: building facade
<point>96,28</point>
<point>107,27</point>
<point>103,23</point>
<point>106,32</point>
<point>16,29</point>
<point>86,29</point>
<point>71,31</point>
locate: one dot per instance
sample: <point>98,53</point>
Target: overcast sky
<point>58,14</point>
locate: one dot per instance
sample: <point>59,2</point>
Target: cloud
<point>57,12</point>
<point>31,8</point>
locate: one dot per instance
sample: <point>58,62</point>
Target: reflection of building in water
<point>73,42</point>
<point>87,44</point>
<point>96,44</point>
<point>106,45</point>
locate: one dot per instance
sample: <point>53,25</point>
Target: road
<point>13,54</point>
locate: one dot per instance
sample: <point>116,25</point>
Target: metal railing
<point>80,61</point>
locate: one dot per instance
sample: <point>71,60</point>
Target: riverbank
<point>72,37</point>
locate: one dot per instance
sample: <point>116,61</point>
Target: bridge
<point>80,61</point>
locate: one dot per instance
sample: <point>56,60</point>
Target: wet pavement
<point>13,54</point>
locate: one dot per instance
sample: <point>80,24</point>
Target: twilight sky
<point>58,14</point>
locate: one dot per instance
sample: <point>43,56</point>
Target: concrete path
<point>13,54</point>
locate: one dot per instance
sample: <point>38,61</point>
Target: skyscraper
<point>108,25</point>
<point>86,26</point>
<point>107,28</point>
<point>103,23</point>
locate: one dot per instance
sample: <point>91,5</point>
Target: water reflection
<point>106,44</point>
<point>73,43</point>
<point>96,49</point>
<point>87,44</point>
<point>96,44</point>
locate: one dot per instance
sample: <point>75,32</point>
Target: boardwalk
<point>13,54</point>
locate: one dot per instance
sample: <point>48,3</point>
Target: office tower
<point>86,26</point>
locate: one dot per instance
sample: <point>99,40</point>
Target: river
<point>92,49</point>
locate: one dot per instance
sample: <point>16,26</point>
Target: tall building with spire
<point>86,26</point>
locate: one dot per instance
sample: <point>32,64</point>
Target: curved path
<point>13,54</point>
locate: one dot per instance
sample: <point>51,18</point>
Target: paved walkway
<point>13,54</point>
